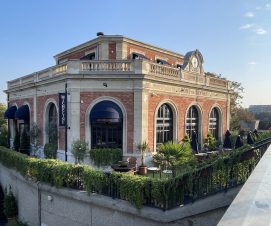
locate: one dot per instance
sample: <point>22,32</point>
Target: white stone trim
<point>175,122</point>
<point>124,113</point>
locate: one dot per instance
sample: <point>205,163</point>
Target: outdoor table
<point>153,170</point>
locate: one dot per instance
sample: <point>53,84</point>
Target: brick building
<point>121,92</point>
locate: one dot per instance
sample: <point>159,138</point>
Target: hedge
<point>226,171</point>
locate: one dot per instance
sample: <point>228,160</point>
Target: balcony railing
<point>118,67</point>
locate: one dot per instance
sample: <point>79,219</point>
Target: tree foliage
<point>238,113</point>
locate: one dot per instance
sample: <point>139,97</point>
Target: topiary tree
<point>239,142</point>
<point>79,148</point>
<point>34,134</point>
<point>16,141</point>
<point>227,140</point>
<point>25,143</point>
<point>50,151</point>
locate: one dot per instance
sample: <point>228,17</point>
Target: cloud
<point>267,6</point>
<point>246,26</point>
<point>249,14</point>
<point>252,63</point>
<point>258,8</point>
<point>260,31</point>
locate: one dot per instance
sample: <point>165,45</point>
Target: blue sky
<point>234,36</point>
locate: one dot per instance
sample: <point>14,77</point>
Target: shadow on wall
<point>3,219</point>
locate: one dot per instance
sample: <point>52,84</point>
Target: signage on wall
<point>62,109</point>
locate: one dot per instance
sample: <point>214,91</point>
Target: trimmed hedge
<point>105,156</point>
<point>218,174</point>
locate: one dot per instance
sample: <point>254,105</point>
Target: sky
<point>234,36</point>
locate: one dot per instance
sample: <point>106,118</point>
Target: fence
<point>225,172</point>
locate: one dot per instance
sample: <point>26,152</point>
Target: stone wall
<point>40,204</point>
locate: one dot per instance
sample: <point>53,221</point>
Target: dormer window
<point>160,61</point>
<point>90,56</point>
<point>179,66</point>
<point>137,56</point>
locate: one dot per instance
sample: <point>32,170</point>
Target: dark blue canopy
<point>22,113</point>
<point>106,111</point>
<point>10,112</point>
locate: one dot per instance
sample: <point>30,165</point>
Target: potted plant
<point>79,148</point>
<point>142,147</point>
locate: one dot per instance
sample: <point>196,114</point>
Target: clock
<point>194,62</point>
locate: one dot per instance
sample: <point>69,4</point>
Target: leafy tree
<point>238,113</point>
<point>79,148</point>
<point>3,108</point>
<point>3,126</point>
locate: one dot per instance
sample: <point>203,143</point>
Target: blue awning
<point>106,111</point>
<point>10,112</point>
<point>22,113</point>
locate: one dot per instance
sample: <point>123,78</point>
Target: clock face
<point>194,62</point>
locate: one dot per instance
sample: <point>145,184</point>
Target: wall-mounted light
<point>105,84</point>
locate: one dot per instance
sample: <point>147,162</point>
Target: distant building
<point>249,125</point>
<point>114,91</point>
<point>255,109</point>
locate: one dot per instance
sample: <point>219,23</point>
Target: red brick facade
<point>78,54</point>
<point>126,98</point>
<point>41,101</point>
<point>152,55</point>
<point>112,51</point>
<point>182,104</point>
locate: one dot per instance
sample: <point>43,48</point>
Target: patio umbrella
<point>239,142</point>
<point>194,142</point>
<point>249,138</point>
<point>227,141</point>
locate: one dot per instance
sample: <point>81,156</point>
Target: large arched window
<point>214,123</point>
<point>164,124</point>
<point>192,121</point>
<point>52,128</point>
<point>106,120</point>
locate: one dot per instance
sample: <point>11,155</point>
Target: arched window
<point>106,120</point>
<point>52,128</point>
<point>164,124</point>
<point>192,121</point>
<point>214,123</point>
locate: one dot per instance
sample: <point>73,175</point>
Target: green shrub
<point>50,151</point>
<point>79,148</point>
<point>210,142</point>
<point>172,154</point>
<point>105,156</point>
<point>3,136</point>
<point>10,205</point>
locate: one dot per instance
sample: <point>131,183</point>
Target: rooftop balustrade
<point>115,67</point>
